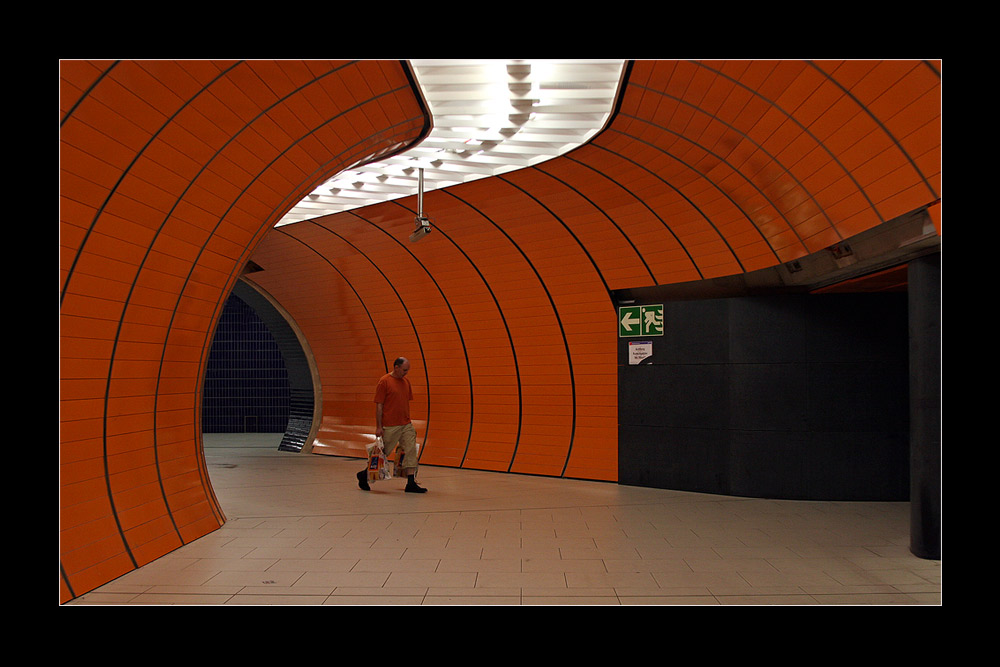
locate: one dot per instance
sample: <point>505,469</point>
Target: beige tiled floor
<point>300,532</point>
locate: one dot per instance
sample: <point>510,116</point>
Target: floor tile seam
<point>619,591</point>
<point>620,596</point>
<point>726,598</point>
<point>193,595</point>
<point>723,559</point>
<point>827,598</point>
<point>816,596</point>
<point>396,511</point>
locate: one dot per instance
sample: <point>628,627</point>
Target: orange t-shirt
<point>395,395</point>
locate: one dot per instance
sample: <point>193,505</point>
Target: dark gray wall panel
<point>785,397</point>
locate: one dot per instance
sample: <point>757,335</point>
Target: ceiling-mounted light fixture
<point>423,222</point>
<point>488,117</point>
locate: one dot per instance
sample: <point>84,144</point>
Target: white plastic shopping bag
<point>379,465</point>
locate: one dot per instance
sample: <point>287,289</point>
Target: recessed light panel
<point>489,117</point>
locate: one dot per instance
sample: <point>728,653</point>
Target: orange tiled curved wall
<point>173,172</point>
<point>708,169</point>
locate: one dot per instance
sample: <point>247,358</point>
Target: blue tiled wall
<point>246,381</point>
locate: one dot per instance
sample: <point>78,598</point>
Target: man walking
<point>393,394</point>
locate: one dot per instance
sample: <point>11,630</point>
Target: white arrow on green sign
<point>640,320</point>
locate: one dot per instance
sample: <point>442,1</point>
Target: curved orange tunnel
<point>173,175</point>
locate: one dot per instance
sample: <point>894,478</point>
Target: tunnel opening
<point>258,377</point>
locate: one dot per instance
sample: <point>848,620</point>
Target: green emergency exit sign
<point>640,320</point>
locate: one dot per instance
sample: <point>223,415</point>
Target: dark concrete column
<point>925,406</point>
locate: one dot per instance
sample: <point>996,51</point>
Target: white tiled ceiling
<point>489,117</point>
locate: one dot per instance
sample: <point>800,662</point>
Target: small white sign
<point>639,351</point>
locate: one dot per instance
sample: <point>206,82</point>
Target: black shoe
<point>363,481</point>
<point>411,487</point>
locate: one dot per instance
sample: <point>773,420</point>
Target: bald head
<point>401,367</point>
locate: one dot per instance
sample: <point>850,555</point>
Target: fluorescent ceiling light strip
<point>489,117</point>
